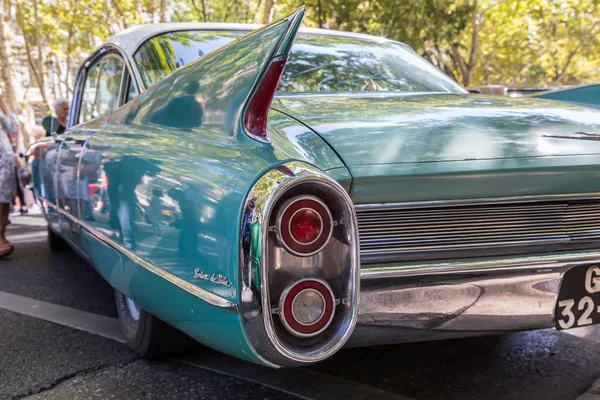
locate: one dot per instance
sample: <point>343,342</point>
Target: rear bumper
<point>457,299</point>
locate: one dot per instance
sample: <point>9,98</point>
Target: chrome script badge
<point>215,278</point>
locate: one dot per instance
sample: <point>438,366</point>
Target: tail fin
<point>229,90</point>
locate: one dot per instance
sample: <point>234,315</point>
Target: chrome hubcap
<point>134,309</point>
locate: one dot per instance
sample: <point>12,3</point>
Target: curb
<point>592,393</point>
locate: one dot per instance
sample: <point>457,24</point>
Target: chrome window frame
<point>90,62</point>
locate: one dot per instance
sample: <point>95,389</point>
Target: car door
<point>170,165</point>
<point>44,177</point>
<point>100,89</point>
<point>94,210</point>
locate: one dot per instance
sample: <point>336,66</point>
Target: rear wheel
<point>148,335</point>
<point>56,243</point>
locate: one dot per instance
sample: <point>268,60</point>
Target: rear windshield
<point>316,64</point>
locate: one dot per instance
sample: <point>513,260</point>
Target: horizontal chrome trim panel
<point>391,233</point>
<point>475,202</point>
<point>194,290</point>
<point>530,262</point>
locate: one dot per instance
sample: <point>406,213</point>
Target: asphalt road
<point>49,359</point>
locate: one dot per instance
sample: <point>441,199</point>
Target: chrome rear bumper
<point>457,299</point>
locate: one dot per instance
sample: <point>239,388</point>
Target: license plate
<point>578,301</point>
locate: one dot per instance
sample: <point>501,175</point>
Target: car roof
<point>132,38</point>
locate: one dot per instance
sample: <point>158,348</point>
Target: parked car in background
<point>512,90</point>
<point>585,95</point>
<point>279,193</point>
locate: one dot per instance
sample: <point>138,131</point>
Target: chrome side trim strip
<point>476,202</point>
<point>536,262</point>
<point>194,290</point>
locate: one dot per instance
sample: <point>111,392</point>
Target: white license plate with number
<point>578,301</point>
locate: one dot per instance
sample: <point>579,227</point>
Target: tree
<point>5,64</point>
<point>540,42</point>
<point>267,11</point>
<point>30,25</point>
<point>474,41</point>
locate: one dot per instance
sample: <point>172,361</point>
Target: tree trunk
<point>320,20</point>
<point>470,67</point>
<point>36,65</point>
<point>151,10</point>
<point>40,53</point>
<point>460,62</point>
<point>163,11</point>
<point>267,13</point>
<point>70,45</point>
<point>115,4</point>
<point>5,70</point>
<point>204,10</point>
<point>561,73</point>
<point>200,12</point>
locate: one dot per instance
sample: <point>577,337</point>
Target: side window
<point>89,93</point>
<point>101,89</point>
<point>163,54</point>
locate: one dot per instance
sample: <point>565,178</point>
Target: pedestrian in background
<point>58,123</point>
<point>22,176</point>
<point>8,179</point>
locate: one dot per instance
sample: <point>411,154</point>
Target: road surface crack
<point>79,374</point>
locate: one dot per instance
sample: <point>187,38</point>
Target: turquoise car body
<point>584,95</point>
<point>378,147</point>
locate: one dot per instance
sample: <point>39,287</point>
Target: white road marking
<point>93,323</point>
<point>300,382</point>
<point>27,220</point>
<point>27,237</point>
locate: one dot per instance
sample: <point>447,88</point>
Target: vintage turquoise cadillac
<point>370,200</point>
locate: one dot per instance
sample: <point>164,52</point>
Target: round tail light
<point>304,225</point>
<point>306,307</point>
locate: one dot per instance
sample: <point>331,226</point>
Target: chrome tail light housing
<point>299,258</point>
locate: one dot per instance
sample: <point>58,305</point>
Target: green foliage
<point>541,42</point>
<point>532,42</point>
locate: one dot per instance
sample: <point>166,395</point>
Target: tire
<point>57,243</point>
<point>149,336</point>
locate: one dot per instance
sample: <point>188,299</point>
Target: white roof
<point>130,39</point>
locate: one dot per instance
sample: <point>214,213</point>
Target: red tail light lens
<point>304,225</point>
<point>255,116</point>
<point>306,307</point>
